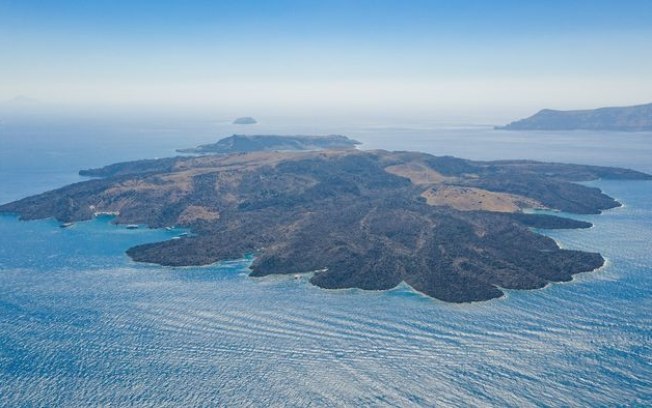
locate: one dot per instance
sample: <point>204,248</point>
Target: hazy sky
<point>340,55</point>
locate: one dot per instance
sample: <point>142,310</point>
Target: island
<point>255,143</point>
<point>245,120</point>
<point>453,229</point>
<point>626,119</point>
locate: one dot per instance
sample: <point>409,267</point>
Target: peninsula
<point>629,118</point>
<point>450,228</point>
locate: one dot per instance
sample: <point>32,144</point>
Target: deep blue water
<point>82,325</point>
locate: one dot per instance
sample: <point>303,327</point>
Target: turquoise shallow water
<point>82,325</point>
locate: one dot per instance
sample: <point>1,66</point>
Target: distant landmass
<point>246,120</point>
<point>629,118</point>
<point>19,104</point>
<point>21,100</point>
<point>451,228</point>
<point>244,143</point>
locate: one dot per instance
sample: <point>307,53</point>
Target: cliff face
<point>365,219</point>
<point>631,118</point>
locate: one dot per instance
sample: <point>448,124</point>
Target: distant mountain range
<point>629,118</point>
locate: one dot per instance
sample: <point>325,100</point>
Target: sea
<point>81,325</point>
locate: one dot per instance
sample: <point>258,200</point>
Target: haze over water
<point>80,324</point>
